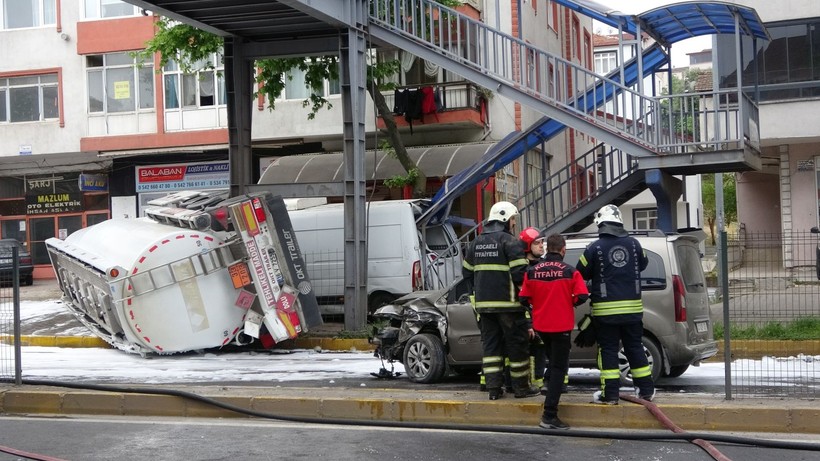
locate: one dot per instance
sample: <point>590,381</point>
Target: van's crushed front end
<point>403,321</point>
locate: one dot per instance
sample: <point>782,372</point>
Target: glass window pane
<point>94,60</point>
<point>41,230</point>
<point>189,90</point>
<point>295,85</point>
<point>91,9</point>
<point>114,8</point>
<point>70,223</point>
<point>206,88</point>
<point>96,218</point>
<point>171,66</point>
<point>171,96</point>
<point>49,12</point>
<point>119,90</point>
<point>799,54</point>
<point>146,76</point>
<point>21,13</point>
<point>223,97</point>
<point>24,81</point>
<point>25,104</point>
<point>10,229</point>
<point>334,87</point>
<point>95,92</point>
<point>118,59</point>
<point>3,105</point>
<point>48,78</point>
<point>51,107</point>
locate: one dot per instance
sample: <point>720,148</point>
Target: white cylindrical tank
<point>171,291</point>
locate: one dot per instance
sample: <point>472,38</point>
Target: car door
<point>463,335</point>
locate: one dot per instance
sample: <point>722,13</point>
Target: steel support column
<point>239,88</point>
<point>353,48</point>
<point>667,190</point>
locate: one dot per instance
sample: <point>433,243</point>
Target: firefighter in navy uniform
<point>614,263</point>
<point>495,264</point>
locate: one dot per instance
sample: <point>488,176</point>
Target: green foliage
<point>183,43</point>
<point>403,180</point>
<point>729,197</point>
<point>806,328</point>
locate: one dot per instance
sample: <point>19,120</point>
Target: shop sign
<point>54,203</point>
<point>93,182</point>
<point>202,175</point>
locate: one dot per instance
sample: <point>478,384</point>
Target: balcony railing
<point>454,95</point>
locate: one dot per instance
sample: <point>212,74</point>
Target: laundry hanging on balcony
<point>415,104</point>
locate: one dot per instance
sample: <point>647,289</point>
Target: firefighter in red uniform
<point>614,264</point>
<point>495,264</point>
<point>554,288</point>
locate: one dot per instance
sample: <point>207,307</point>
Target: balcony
<point>461,106</point>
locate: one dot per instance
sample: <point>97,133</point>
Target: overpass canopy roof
<point>672,23</point>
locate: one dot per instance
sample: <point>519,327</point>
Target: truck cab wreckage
<point>198,271</point>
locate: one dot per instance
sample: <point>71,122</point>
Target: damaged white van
<point>397,261</point>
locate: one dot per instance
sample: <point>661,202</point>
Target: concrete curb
<point>384,405</point>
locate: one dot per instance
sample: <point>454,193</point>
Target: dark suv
<point>434,332</point>
<point>7,266</point>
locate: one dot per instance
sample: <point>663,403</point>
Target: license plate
<point>701,327</point>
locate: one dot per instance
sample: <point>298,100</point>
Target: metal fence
<point>773,285</point>
<point>10,364</point>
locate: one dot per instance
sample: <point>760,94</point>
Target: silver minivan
<point>435,332</point>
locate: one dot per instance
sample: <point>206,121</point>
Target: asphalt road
<point>123,439</point>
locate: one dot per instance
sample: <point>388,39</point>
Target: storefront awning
<point>434,161</point>
<point>39,164</point>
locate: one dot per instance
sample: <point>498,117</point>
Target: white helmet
<point>502,211</point>
<point>608,213</point>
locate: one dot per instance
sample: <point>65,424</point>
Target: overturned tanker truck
<point>198,271</point>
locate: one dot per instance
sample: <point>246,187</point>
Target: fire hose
<point>677,433</point>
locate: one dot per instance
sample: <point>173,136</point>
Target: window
<point>117,83</point>
<point>19,14</point>
<point>605,62</point>
<point>646,218</point>
<point>576,37</point>
<point>29,99</point>
<point>786,67</point>
<point>204,87</point>
<point>554,17</point>
<point>296,88</point>
<point>96,9</point>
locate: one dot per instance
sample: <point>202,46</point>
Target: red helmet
<point>528,236</point>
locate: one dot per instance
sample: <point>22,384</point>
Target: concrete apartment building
<point>88,133</point>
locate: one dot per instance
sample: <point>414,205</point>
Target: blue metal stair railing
<point>515,66</point>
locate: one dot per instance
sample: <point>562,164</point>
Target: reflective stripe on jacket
<point>495,262</point>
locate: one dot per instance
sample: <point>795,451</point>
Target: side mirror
<point>815,230</point>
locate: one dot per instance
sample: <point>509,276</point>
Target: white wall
<point>41,48</point>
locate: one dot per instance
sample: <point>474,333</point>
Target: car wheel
<point>674,372</point>
<point>653,355</point>
<point>29,280</point>
<point>378,300</point>
<point>424,360</point>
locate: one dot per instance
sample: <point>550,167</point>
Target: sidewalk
<point>692,412</point>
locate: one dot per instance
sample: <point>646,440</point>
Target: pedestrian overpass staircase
<point>609,109</point>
